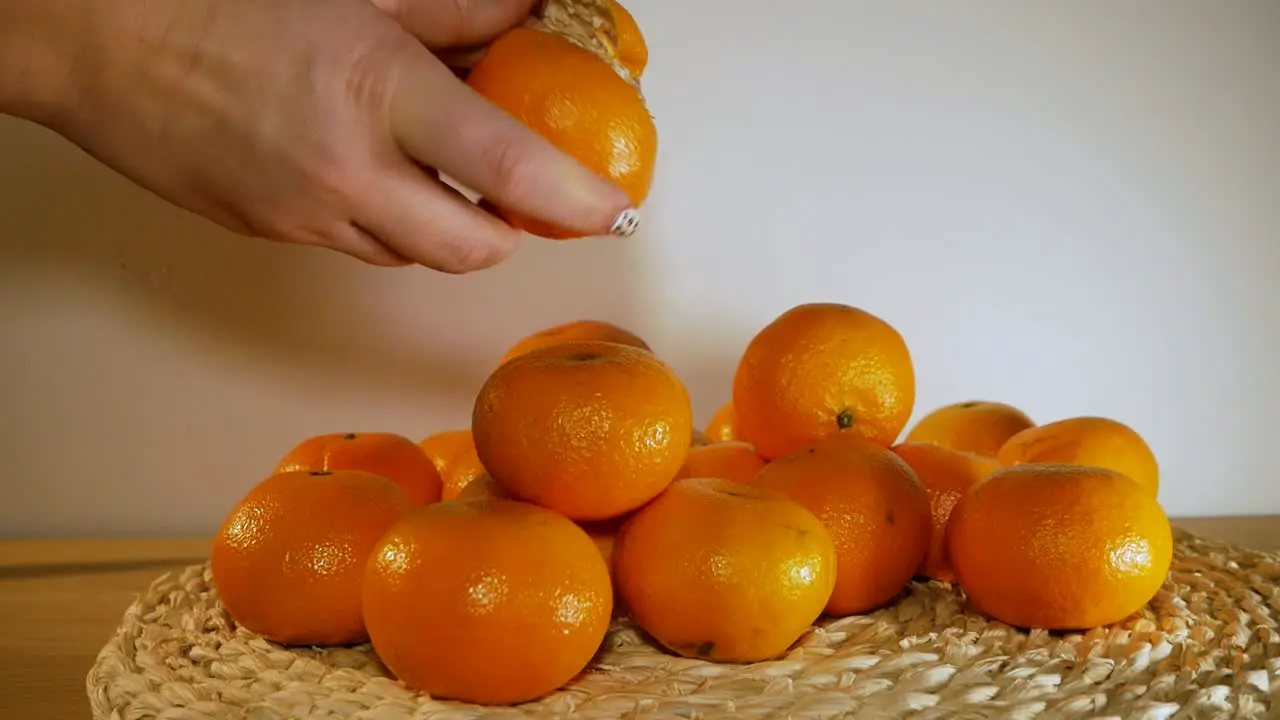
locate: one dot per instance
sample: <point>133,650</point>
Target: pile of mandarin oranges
<point>486,564</point>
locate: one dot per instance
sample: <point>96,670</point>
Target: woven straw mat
<point>1207,646</point>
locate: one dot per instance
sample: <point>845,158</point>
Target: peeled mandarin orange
<point>562,78</point>
<point>288,560</point>
<point>973,426</point>
<point>818,370</point>
<point>576,330</point>
<point>486,601</point>
<point>392,456</point>
<point>873,505</point>
<point>1061,547</point>
<point>721,427</point>
<point>589,429</point>
<point>1094,441</point>
<point>724,571</point>
<point>946,474</point>
<point>732,460</point>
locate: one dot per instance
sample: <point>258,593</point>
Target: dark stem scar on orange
<point>844,420</point>
<point>349,436</point>
<point>321,473</point>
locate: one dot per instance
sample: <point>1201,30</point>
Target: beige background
<point>1072,207</point>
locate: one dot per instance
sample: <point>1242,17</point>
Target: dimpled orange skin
<point>578,103</point>
<point>589,429</point>
<point>1061,547</point>
<point>483,488</point>
<point>821,369</point>
<point>875,509</point>
<point>392,456</point>
<point>721,426</point>
<point>576,330</point>
<point>975,426</point>
<point>946,474</point>
<point>733,460</point>
<point>633,51</point>
<point>486,601</point>
<point>288,560</point>
<point>1094,441</point>
<point>723,571</point>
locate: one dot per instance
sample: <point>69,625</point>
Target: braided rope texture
<point>1207,646</point>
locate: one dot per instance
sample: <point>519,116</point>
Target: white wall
<point>1072,207</point>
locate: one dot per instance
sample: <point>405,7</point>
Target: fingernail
<point>626,224</point>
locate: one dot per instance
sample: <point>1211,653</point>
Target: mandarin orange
<point>392,456</point>
<point>977,426</point>
<point>1094,441</point>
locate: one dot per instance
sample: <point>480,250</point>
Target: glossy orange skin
<point>820,369</point>
<point>589,429</point>
<point>733,460</point>
<point>392,456</point>
<point>604,533</point>
<point>975,426</point>
<point>454,453</point>
<point>483,488</point>
<point>486,601</point>
<point>1058,546</point>
<point>946,474</point>
<point>722,426</point>
<point>723,571</point>
<point>578,103</point>
<point>633,51</point>
<point>288,560</point>
<point>1094,441</point>
<point>877,513</point>
<point>576,330</point>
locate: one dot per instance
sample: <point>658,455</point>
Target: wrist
<point>38,56</point>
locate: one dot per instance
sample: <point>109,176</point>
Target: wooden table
<point>60,600</point>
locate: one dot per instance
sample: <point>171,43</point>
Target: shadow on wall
<point>66,221</point>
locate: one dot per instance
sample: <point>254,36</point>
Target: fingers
<point>456,23</point>
<point>443,123</point>
<point>425,221</point>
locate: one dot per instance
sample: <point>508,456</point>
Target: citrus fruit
<point>724,571</point>
<point>875,509</point>
<point>946,474</point>
<point>973,426</point>
<point>589,429</point>
<point>288,559</point>
<point>721,427</point>
<point>441,447</point>
<point>633,52</point>
<point>483,487</point>
<point>392,456</point>
<point>562,78</point>
<point>1095,441</point>
<point>733,460</point>
<point>486,601</point>
<point>576,330</point>
<point>454,453</point>
<point>818,370</point>
<point>1061,547</point>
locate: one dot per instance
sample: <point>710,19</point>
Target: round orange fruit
<point>454,453</point>
<point>724,571</point>
<point>392,456</point>
<point>732,460</point>
<point>946,474</point>
<point>576,330</point>
<point>288,560</point>
<point>483,488</point>
<point>589,429</point>
<point>444,446</point>
<point>721,427</point>
<point>1094,441</point>
<point>560,79</point>
<point>874,507</point>
<point>1061,547</point>
<point>486,601</point>
<point>818,370</point>
<point>975,426</point>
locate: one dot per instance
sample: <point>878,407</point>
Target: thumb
<point>440,24</point>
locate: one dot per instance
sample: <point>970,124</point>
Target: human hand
<point>323,122</point>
